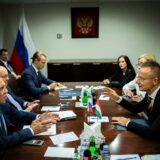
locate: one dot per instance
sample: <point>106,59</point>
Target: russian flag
<point>23,49</point>
<point>91,107</point>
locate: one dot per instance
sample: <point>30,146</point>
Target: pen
<point>127,158</point>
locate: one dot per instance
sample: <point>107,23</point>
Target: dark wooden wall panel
<point>81,71</point>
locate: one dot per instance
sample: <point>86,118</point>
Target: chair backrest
<point>14,84</point>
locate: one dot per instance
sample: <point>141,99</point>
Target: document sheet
<point>59,152</point>
<point>64,137</point>
<point>50,108</point>
<point>50,131</point>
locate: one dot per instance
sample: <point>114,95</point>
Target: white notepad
<point>64,137</point>
<point>59,152</point>
<point>50,108</point>
<point>65,115</point>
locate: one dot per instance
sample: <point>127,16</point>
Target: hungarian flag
<point>98,109</point>
<point>23,49</point>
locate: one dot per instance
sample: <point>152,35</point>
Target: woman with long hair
<point>124,74</point>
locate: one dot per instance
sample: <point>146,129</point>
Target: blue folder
<point>69,93</point>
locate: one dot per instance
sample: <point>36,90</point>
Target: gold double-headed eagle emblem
<point>84,23</point>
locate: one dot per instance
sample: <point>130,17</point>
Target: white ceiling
<point>63,1</point>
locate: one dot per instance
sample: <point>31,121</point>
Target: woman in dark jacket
<point>124,74</point>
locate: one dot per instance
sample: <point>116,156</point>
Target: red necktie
<point>149,104</point>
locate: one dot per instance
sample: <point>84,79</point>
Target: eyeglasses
<point>143,79</point>
<point>139,64</point>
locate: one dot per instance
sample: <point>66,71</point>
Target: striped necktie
<point>10,68</point>
<point>3,128</point>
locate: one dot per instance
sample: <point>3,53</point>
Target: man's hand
<point>106,81</point>
<point>111,93</point>
<point>53,85</point>
<point>136,98</point>
<point>60,85</point>
<point>39,127</point>
<point>120,120</point>
<point>32,105</point>
<point>128,92</point>
<point>49,117</point>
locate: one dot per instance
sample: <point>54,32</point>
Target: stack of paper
<point>99,87</point>
<point>64,115</point>
<point>50,108</point>
<point>59,152</point>
<point>82,86</point>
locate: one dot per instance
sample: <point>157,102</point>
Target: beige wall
<point>128,28</point>
<point>1,29</point>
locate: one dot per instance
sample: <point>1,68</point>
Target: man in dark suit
<point>32,78</point>
<point>11,121</point>
<point>4,62</point>
<point>148,80</point>
<point>12,99</point>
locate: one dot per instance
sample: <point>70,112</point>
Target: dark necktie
<point>149,104</point>
<point>39,78</point>
<point>3,128</point>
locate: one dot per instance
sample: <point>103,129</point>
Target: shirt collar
<point>35,68</point>
<point>153,95</point>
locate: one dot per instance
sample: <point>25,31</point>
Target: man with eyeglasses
<point>131,89</point>
<point>12,120</point>
<point>148,80</point>
<point>14,100</point>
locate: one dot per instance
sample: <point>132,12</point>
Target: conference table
<point>120,142</point>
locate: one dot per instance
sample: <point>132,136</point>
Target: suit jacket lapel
<point>156,108</point>
<point>35,77</point>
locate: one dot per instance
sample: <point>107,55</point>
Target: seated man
<point>32,78</point>
<point>132,86</point>
<point>12,99</point>
<point>148,80</point>
<point>4,62</point>
<point>11,121</point>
